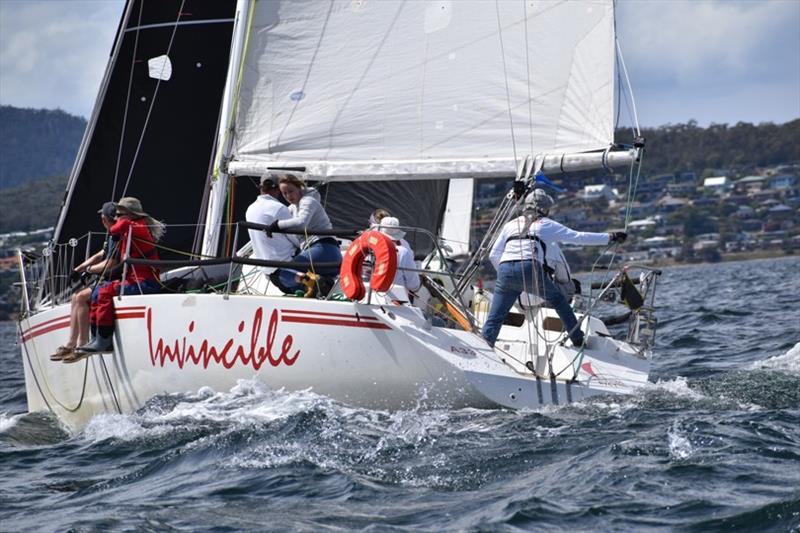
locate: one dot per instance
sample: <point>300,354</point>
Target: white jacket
<point>508,248</point>
<point>265,210</point>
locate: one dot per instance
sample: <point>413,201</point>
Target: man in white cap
<point>266,210</point>
<point>406,276</point>
<point>518,256</point>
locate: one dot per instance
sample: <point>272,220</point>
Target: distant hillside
<point>689,148</point>
<point>32,205</point>
<point>37,143</point>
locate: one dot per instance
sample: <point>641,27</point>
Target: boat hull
<point>375,356</point>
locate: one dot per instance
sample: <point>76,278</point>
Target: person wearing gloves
<point>518,256</point>
<point>308,215</point>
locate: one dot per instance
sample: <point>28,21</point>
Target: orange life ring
<point>385,252</point>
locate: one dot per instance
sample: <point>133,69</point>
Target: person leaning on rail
<point>307,215</point>
<point>266,210</point>
<point>97,264</point>
<point>518,255</point>
<point>144,233</point>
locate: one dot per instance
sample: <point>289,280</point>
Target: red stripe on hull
<point>123,316</point>
<point>41,331</point>
<point>130,308</point>
<point>338,315</point>
<point>333,322</point>
<point>46,322</point>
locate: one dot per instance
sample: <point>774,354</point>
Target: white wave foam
<point>788,362</point>
<point>7,422</point>
<point>248,402</point>
<point>678,386</point>
<point>109,426</point>
<point>679,446</point>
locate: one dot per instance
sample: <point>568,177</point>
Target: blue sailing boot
<point>102,343</point>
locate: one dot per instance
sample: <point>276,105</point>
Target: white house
<point>717,183</point>
<point>595,192</point>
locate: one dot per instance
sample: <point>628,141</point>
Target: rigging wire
<point>152,100</point>
<point>630,90</point>
<point>528,72</point>
<point>127,100</point>
<point>505,76</point>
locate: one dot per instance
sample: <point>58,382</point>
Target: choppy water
<point>713,444</point>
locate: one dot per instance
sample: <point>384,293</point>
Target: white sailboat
<point>357,93</point>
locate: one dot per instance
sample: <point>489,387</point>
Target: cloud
<point>688,57</point>
<point>689,40</point>
<point>711,60</point>
<point>53,54</point>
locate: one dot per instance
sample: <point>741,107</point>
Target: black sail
<point>150,138</point>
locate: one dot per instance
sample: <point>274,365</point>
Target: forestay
<point>359,89</point>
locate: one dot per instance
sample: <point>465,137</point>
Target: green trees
<point>689,148</point>
<point>36,143</point>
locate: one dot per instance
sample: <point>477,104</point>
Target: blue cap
<point>109,210</point>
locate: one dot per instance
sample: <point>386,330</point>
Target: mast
<point>226,134</point>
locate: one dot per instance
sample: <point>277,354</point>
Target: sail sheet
<point>366,89</point>
<point>152,132</point>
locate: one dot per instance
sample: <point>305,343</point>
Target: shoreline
<point>725,258</point>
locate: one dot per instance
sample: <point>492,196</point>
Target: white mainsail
<point>365,90</point>
<point>353,89</point>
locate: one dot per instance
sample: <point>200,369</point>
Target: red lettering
<point>254,354</point>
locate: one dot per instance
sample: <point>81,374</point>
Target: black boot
<point>92,332</point>
<point>102,343</point>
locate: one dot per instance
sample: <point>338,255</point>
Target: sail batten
<point>395,83</point>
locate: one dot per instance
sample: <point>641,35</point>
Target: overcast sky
<point>719,61</point>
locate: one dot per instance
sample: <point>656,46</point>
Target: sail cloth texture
<point>367,89</point>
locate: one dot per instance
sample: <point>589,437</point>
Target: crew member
<point>518,254</point>
<point>266,210</point>
<point>406,276</point>
<point>307,215</point>
<point>98,263</point>
<point>144,232</point>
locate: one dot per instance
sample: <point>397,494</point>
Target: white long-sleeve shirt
<point>280,247</point>
<point>549,231</point>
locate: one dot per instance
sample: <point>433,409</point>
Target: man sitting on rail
<point>268,209</point>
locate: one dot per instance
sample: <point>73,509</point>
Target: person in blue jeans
<point>309,215</point>
<point>518,256</point>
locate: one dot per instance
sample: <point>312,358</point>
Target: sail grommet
<point>383,272</point>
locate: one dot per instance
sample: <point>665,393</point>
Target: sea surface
<point>712,444</point>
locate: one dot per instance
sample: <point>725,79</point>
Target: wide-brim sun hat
<point>131,205</point>
<point>390,227</point>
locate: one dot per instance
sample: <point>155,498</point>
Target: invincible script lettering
<point>255,353</point>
